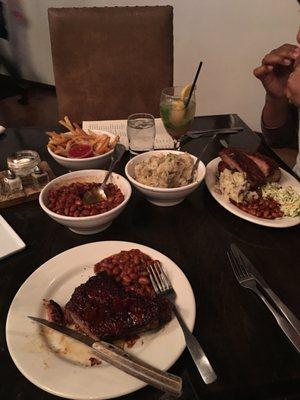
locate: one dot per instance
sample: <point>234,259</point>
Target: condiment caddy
<point>22,183</point>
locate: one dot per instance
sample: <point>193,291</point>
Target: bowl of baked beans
<point>64,201</point>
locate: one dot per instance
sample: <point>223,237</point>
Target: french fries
<point>60,143</point>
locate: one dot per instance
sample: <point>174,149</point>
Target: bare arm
<point>275,112</point>
<point>284,134</point>
<point>279,119</point>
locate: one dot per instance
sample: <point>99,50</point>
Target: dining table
<point>251,356</point>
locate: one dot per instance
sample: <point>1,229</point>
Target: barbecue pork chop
<point>102,309</point>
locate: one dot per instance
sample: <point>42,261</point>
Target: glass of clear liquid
<point>140,133</point>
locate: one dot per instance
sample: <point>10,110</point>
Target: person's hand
<point>276,68</point>
<point>293,85</point>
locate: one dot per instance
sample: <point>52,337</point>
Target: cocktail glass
<point>176,114</point>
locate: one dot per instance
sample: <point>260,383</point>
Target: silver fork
<point>163,286</point>
<point>247,280</point>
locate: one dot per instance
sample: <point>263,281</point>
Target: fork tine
<point>162,285</point>
<point>240,261</point>
<point>156,278</point>
<point>234,248</point>
<point>152,279</point>
<point>164,277</point>
<point>229,255</point>
<point>234,265</point>
<point>239,266</point>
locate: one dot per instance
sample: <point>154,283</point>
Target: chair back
<point>111,62</point>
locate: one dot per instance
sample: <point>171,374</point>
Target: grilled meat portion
<point>268,166</point>
<point>222,165</point>
<point>228,157</point>
<point>102,309</point>
<point>54,313</point>
<point>238,160</point>
<point>275,176</point>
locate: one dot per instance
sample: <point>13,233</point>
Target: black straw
<point>194,84</point>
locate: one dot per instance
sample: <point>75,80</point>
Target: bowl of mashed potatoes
<point>163,176</point>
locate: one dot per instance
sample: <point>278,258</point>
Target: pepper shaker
<point>39,177</point>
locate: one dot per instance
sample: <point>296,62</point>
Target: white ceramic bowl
<point>74,164</point>
<point>94,223</point>
<point>163,196</point>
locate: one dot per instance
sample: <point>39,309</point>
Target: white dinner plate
<point>56,373</point>
<point>286,180</point>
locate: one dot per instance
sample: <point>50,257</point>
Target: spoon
<point>98,193</point>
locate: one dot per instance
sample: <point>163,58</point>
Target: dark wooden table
<point>250,354</point>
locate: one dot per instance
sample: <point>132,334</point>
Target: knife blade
<point>195,134</point>
<point>122,360</point>
<point>292,319</point>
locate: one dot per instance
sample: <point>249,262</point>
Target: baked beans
<point>129,268</point>
<point>266,208</point>
<point>68,200</point>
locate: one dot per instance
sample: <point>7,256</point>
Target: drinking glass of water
<point>140,132</point>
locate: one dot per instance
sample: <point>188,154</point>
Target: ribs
<point>237,160</point>
<point>222,165</point>
<point>259,169</point>
<point>268,166</point>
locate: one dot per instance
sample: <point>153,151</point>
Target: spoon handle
<point>111,167</point>
<point>115,158</point>
<point>195,166</point>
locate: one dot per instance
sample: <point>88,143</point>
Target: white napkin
<point>10,242</point>
<point>119,127</point>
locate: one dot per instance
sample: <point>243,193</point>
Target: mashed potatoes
<point>233,185</point>
<point>165,170</point>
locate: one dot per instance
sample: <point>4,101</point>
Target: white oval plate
<point>57,279</point>
<point>286,180</point>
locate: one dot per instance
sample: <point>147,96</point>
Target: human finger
<point>262,71</point>
<point>296,52</point>
<point>277,59</point>
<point>285,50</point>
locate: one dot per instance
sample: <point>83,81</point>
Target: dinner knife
<point>292,319</point>
<point>196,133</point>
<point>122,360</point>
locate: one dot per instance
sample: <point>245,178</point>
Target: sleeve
<point>285,135</point>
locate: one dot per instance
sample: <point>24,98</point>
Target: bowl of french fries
<point>77,149</point>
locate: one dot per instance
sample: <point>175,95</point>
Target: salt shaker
<point>12,182</point>
<point>39,177</point>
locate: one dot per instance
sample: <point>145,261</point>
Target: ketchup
<point>80,150</point>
